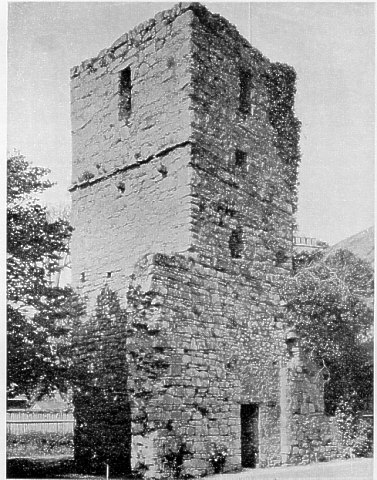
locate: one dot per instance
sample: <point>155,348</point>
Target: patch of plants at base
<point>356,432</point>
<point>39,468</point>
<point>38,444</point>
<point>217,457</point>
<point>173,461</point>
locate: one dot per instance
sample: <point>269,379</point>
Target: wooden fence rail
<point>19,422</point>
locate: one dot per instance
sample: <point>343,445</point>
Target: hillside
<point>361,244</point>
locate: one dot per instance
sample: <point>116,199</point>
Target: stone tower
<point>185,152</point>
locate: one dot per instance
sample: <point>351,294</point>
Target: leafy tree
<point>37,310</point>
<point>118,354</point>
<point>102,409</point>
<point>327,300</point>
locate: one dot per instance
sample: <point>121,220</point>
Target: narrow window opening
<point>240,159</point>
<point>245,91</point>
<point>109,274</point>
<point>125,87</point>
<point>82,277</point>
<point>236,243</point>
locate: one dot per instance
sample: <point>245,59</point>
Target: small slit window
<point>125,100</point>
<point>236,243</point>
<point>240,160</point>
<point>245,91</point>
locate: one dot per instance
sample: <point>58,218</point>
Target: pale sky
<point>331,46</point>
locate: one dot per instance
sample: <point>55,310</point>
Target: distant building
<point>17,403</point>
<point>54,402</point>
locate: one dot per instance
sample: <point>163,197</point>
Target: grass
<point>49,467</point>
<point>64,468</point>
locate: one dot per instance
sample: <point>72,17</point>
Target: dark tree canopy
<point>117,354</point>
<point>37,310</point>
<point>102,409</point>
<point>328,300</point>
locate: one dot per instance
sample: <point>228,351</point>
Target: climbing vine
<point>280,83</point>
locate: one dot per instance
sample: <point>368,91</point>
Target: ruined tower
<point>185,152</point>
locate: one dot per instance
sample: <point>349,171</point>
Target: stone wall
<point>115,226</point>
<point>184,198</point>
<point>210,364</point>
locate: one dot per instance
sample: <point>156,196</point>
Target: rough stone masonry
<point>185,154</point>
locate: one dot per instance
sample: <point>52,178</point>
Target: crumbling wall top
<point>146,30</point>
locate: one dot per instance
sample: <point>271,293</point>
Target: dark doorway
<point>249,435</point>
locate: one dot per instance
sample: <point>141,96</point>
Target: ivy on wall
<point>280,82</point>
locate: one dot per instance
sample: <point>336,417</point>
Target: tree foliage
<point>118,355</point>
<point>102,410</point>
<point>37,311</point>
<point>327,300</point>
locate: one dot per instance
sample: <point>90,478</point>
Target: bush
<point>357,433</point>
<point>363,441</point>
<point>217,458</point>
<point>174,461</point>
<point>37,444</point>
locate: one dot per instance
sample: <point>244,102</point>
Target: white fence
<point>26,421</point>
